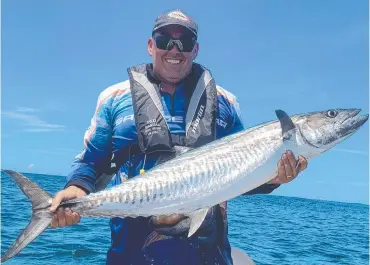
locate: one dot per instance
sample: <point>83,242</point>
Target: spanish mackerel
<point>200,178</point>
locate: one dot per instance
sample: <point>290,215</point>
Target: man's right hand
<point>65,216</point>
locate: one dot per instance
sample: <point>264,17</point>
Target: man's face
<point>172,66</point>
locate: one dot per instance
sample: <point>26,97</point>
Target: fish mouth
<point>351,113</point>
<point>354,121</point>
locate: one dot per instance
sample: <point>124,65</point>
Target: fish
<point>200,178</point>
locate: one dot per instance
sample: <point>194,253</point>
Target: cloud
<point>57,151</point>
<point>352,151</point>
<point>32,122</point>
<point>67,150</point>
<point>31,166</point>
<point>40,130</point>
<point>25,109</point>
<point>359,184</point>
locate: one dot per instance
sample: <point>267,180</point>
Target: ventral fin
<point>286,123</point>
<point>197,217</point>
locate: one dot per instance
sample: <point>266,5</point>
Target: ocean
<point>271,229</point>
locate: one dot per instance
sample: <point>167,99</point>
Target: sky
<point>299,56</point>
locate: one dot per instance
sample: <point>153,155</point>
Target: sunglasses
<point>184,43</point>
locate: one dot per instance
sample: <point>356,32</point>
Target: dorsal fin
<point>285,122</point>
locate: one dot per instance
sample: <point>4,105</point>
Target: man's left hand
<point>289,168</point>
<point>164,220</point>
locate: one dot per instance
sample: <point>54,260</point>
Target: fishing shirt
<point>113,129</point>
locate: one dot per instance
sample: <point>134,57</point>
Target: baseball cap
<point>176,17</point>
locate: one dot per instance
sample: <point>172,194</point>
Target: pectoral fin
<point>103,181</point>
<point>197,217</point>
<point>182,149</point>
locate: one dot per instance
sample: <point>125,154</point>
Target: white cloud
<point>32,122</point>
<point>31,166</point>
<point>67,150</point>
<point>57,151</point>
<point>40,130</point>
<point>352,151</point>
<point>25,109</point>
<point>359,184</point>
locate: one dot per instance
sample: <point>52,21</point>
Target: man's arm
<point>94,160</point>
<point>96,156</point>
<point>97,153</point>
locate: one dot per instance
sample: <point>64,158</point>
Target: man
<point>170,102</point>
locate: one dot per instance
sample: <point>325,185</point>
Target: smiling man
<point>141,122</point>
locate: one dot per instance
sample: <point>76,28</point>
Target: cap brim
<point>175,23</point>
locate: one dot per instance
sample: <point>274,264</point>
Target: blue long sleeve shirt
<point>113,128</point>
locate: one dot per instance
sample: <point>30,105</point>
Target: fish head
<point>323,130</point>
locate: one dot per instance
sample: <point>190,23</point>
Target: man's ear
<point>195,51</point>
<point>150,46</point>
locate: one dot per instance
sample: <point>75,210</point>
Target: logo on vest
<point>197,120</point>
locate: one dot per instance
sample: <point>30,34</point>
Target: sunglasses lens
<point>161,41</point>
<point>186,43</point>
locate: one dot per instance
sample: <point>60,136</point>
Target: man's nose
<point>175,48</point>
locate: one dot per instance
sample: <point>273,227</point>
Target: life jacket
<point>157,143</point>
<point>201,110</point>
<point>154,137</point>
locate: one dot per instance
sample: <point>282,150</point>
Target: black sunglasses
<point>184,43</point>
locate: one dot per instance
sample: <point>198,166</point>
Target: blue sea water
<point>271,229</point>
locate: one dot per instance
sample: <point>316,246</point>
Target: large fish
<point>198,179</point>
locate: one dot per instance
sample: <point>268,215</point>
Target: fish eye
<point>332,113</point>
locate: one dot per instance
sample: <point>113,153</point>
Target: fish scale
<point>196,180</point>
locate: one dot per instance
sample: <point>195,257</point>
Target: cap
<point>176,17</point>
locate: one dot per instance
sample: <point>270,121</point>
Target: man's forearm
<point>83,176</point>
<point>263,189</point>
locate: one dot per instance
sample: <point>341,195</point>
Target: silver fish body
<point>196,180</point>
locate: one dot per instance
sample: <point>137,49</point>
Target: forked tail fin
<point>41,217</point>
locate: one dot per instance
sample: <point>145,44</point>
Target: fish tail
<point>41,216</point>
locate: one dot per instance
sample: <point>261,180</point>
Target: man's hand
<point>66,216</point>
<point>289,168</point>
<point>167,220</point>
<point>178,224</point>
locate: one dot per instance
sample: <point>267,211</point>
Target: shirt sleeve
<point>237,124</point>
<point>97,153</point>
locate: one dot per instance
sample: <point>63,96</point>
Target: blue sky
<point>300,56</point>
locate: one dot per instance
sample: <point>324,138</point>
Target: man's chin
<point>173,79</point>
